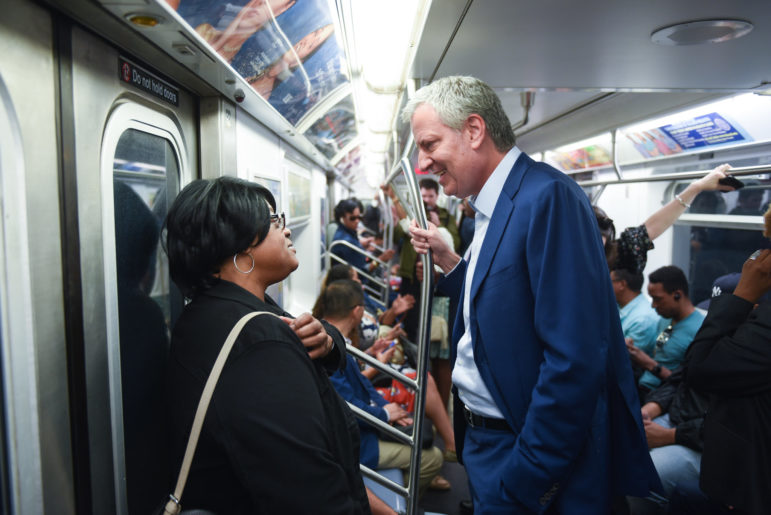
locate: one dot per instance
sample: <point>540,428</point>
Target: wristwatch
<point>656,370</point>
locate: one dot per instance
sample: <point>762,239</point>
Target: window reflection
<point>145,179</point>
<point>714,252</point>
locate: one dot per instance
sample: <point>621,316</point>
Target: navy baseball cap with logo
<point>724,285</point>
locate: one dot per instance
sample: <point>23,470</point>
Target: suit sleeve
<point>572,305</point>
<point>275,431</point>
<point>731,353</point>
<point>452,283</point>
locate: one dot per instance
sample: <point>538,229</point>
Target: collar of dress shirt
<point>485,201</point>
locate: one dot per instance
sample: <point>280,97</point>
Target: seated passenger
<point>342,306</point>
<point>668,289</point>
<point>731,362</point>
<point>347,215</point>
<point>673,415</point>
<point>374,314</point>
<point>276,438</point>
<point>638,319</point>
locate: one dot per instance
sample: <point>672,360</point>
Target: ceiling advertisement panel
<point>286,50</point>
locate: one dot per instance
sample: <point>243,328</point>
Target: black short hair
<point>210,221</point>
<point>344,207</point>
<point>671,279</point>
<point>337,272</point>
<point>429,184</point>
<point>338,299</point>
<point>634,281</point>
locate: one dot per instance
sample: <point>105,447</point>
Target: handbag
<point>173,505</point>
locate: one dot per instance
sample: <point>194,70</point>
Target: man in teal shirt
<point>679,323</point>
<point>638,319</point>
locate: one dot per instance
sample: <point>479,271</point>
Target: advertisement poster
<point>285,49</point>
<point>690,134</point>
<point>585,157</point>
<point>350,164</point>
<point>273,186</point>
<point>298,183</point>
<point>333,131</point>
<point>702,131</point>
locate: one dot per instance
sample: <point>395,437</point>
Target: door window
<point>145,182</point>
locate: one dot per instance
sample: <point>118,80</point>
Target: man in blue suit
<point>547,418</point>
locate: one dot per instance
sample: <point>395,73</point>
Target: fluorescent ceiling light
<point>382,38</point>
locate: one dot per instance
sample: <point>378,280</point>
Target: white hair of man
<point>456,97</point>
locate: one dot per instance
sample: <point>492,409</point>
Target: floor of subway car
<point>447,501</point>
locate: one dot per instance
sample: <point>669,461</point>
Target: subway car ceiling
<point>590,67</point>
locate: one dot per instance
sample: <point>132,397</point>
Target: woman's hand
<point>710,181</point>
<point>312,335</point>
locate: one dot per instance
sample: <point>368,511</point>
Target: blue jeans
<point>675,463</point>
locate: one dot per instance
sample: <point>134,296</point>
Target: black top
<point>633,246</point>
<point>277,438</point>
<point>731,360</point>
<point>685,406</point>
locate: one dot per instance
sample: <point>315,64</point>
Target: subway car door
<point>133,151</point>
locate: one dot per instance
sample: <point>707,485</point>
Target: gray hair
<point>455,98</point>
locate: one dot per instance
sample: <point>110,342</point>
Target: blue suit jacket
<point>548,343</point>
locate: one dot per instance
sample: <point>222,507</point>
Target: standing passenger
<point>276,438</point>
<point>552,420</point>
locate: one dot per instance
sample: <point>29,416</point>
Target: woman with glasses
<point>348,214</point>
<point>276,438</point>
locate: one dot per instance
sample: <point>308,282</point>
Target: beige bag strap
<point>173,506</point>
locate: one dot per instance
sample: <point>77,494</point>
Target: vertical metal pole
<point>614,145</point>
<point>424,335</point>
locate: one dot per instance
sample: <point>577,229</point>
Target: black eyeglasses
<point>354,217</point>
<point>279,221</point>
<point>664,337</point>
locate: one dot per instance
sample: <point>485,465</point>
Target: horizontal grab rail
<point>739,171</point>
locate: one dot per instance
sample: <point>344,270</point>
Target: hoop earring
<point>235,264</point>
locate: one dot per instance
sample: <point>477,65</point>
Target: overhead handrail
<point>744,170</point>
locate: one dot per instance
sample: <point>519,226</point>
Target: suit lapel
<point>498,221</point>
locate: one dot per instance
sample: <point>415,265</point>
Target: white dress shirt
<point>465,375</point>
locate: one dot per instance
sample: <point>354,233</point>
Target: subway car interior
<point>108,108</point>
